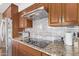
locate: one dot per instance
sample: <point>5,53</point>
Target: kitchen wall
<point>42,30</point>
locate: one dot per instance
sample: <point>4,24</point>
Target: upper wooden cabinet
<point>10,11</point>
<point>54,14</point>
<point>70,15</point>
<point>63,14</point>
<point>7,13</point>
<point>25,22</point>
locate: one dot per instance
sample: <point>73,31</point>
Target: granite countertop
<point>55,49</point>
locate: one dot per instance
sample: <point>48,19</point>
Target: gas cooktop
<point>37,42</point>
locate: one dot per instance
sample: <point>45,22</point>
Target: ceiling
<point>21,6</point>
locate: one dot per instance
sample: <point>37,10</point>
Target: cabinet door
<point>15,48</point>
<point>28,23</point>
<point>55,14</point>
<point>23,52</point>
<point>70,14</point>
<point>28,51</point>
<point>8,12</point>
<point>25,23</point>
<point>21,22</point>
<point>78,13</point>
<point>46,6</point>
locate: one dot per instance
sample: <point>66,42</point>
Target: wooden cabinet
<point>25,22</point>
<point>63,14</point>
<point>28,51</point>
<point>15,25</point>
<point>12,12</point>
<point>23,53</point>
<point>70,15</point>
<point>19,49</point>
<point>78,13</point>
<point>54,14</point>
<point>7,13</point>
<point>46,6</point>
<point>28,23</point>
<point>15,48</point>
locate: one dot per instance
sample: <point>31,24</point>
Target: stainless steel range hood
<point>36,14</point>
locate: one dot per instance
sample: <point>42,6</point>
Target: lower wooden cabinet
<point>19,49</point>
<point>26,50</point>
<point>15,48</point>
<point>23,53</point>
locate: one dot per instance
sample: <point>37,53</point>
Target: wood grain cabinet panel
<point>70,14</point>
<point>23,53</point>
<point>63,14</point>
<point>7,13</point>
<point>21,24</point>
<point>25,22</point>
<point>29,51</point>
<point>12,12</point>
<point>54,14</point>
<point>78,13</point>
<point>15,48</point>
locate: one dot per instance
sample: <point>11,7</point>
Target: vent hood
<point>36,14</point>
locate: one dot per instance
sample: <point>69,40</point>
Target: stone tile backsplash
<point>41,29</point>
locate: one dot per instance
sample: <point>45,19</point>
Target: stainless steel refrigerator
<point>6,36</point>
